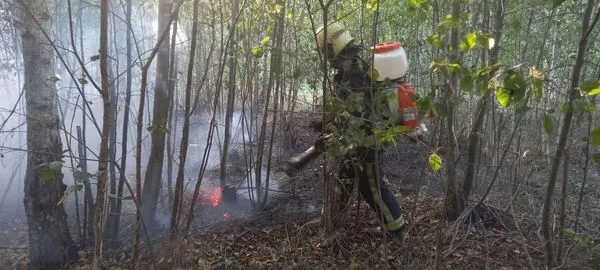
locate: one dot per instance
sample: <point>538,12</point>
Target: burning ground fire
<point>209,196</point>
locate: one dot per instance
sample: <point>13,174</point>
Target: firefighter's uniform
<point>352,77</point>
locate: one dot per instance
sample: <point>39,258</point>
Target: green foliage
<point>435,162</point>
<point>48,174</point>
<point>512,90</point>
<point>390,134</point>
<point>548,124</point>
<point>419,7</point>
<point>417,4</point>
<point>485,40</point>
<point>586,240</point>
<point>591,87</point>
<point>371,5</point>
<point>81,177</point>
<point>566,107</point>
<point>468,42</point>
<point>596,158</point>
<point>82,80</point>
<point>466,80</point>
<point>435,41</point>
<point>258,51</point>
<point>444,67</point>
<point>448,22</point>
<point>557,3</point>
<point>425,102</point>
<point>595,136</point>
<point>158,126</point>
<point>50,170</point>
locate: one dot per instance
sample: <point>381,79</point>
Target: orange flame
<point>214,196</point>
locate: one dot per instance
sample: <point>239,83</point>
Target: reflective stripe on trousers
<point>375,192</point>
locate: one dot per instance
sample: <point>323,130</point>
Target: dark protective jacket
<point>352,79</point>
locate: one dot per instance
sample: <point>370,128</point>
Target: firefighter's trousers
<point>362,167</point>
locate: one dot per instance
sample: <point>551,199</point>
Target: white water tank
<point>390,61</point>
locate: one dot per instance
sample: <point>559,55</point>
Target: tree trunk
<point>50,244</point>
<point>230,92</point>
<point>453,204</point>
<point>106,122</point>
<point>475,135</point>
<point>123,165</point>
<point>172,101</point>
<point>111,221</point>
<point>564,132</point>
<point>177,205</point>
<point>153,177</point>
<point>274,65</point>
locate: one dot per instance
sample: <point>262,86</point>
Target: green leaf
<point>503,96</point>
<point>565,108</point>
<point>81,177</point>
<point>448,22</point>
<point>591,87</point>
<point>48,173</point>
<point>596,158</point>
<point>485,40</point>
<point>95,57</point>
<point>435,161</point>
<point>416,4</point>
<point>435,41</point>
<point>265,40</point>
<point>557,3</point>
<point>78,186</point>
<point>512,90</point>
<point>257,51</point>
<point>595,138</point>
<point>424,103</point>
<point>468,42</point>
<point>466,81</point>
<point>548,124</point>
<point>49,170</point>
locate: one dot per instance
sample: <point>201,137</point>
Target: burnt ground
<point>287,234</point>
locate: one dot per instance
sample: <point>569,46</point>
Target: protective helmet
<point>337,37</point>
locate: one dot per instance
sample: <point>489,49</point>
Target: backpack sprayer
<point>390,63</point>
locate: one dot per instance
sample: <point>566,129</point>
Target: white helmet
<point>337,35</point>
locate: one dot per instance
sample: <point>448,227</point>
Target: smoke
<point>240,171</point>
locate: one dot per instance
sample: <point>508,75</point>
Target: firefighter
<point>359,165</point>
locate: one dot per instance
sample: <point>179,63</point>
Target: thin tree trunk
<point>106,122</point>
<point>112,231</point>
<point>172,87</point>
<point>585,171</point>
<point>563,208</point>
<point>183,148</point>
<point>454,202</point>
<point>88,201</point>
<point>117,210</point>
<point>262,137</point>
<point>573,92</point>
<point>230,92</point>
<point>475,135</point>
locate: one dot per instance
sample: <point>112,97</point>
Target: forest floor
<point>288,235</point>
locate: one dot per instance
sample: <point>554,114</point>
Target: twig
<point>1,247</point>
